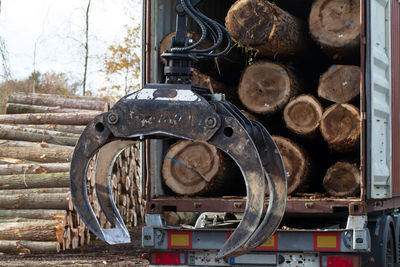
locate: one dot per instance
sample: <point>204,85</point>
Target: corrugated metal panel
<point>378,81</point>
<point>396,96</point>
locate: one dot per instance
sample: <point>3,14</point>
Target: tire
<point>389,251</point>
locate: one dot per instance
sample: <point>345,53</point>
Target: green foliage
<point>121,65</point>
<point>250,52</point>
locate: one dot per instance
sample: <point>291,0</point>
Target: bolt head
<point>113,118</point>
<point>211,122</point>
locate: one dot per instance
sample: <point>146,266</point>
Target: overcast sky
<point>57,29</point>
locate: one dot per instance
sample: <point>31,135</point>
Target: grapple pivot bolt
<point>211,122</point>
<point>113,118</point>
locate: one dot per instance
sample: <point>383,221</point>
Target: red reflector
<point>168,258</point>
<point>340,261</point>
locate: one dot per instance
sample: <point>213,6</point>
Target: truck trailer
<point>362,229</point>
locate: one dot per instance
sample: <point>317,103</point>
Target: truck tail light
<point>168,258</point>
<point>340,261</point>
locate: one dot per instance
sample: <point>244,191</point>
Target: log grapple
<point>178,109</point>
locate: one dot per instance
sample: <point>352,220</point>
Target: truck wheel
<point>389,257</point>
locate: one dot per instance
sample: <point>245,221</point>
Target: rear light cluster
<point>340,261</point>
<point>167,258</point>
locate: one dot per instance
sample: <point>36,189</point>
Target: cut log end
<point>267,28</point>
<point>342,180</point>
<point>340,127</point>
<point>335,25</point>
<point>265,87</point>
<point>340,84</point>
<point>190,167</point>
<point>303,115</point>
<point>296,162</point>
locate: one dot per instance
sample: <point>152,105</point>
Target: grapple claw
<point>104,164</point>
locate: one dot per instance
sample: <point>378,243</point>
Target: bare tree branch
<point>86,49</point>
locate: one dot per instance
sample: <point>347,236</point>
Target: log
<point>297,164</point>
<point>42,180</point>
<point>35,129</point>
<point>195,168</point>
<point>216,87</point>
<point>12,108</point>
<point>267,94</point>
<point>73,129</point>
<point>32,230</point>
<point>43,214</point>
<point>33,135</point>
<point>48,155</point>
<point>28,247</point>
<point>12,143</point>
<point>342,180</point>
<point>303,115</point>
<point>46,118</point>
<point>266,28</point>
<point>340,127</point>
<point>35,191</point>
<point>59,101</point>
<point>335,26</point>
<point>340,84</point>
<point>37,168</point>
<point>60,201</point>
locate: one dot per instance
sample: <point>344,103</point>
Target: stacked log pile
<point>37,139</point>
<point>302,83</point>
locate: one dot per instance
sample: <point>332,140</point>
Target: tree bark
<point>297,164</point>
<point>48,155</point>
<point>36,135</point>
<point>43,180</point>
<point>51,190</point>
<point>335,26</point>
<point>87,103</point>
<point>340,127</point>
<point>46,118</point>
<point>195,168</point>
<point>342,180</point>
<point>267,28</point>
<point>28,247</point>
<point>71,129</point>
<point>12,108</point>
<point>9,169</point>
<point>267,94</point>
<point>43,214</point>
<point>32,230</point>
<point>303,115</point>
<point>60,201</point>
<point>340,84</point>
<point>12,143</point>
<point>215,86</point>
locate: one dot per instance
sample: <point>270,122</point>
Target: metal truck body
<point>333,231</point>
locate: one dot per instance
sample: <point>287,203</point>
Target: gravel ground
<point>96,254</point>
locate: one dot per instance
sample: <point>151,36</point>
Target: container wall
<point>395,24</point>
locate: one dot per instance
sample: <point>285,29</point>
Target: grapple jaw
<point>176,111</point>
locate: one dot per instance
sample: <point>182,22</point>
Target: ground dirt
<point>96,254</point>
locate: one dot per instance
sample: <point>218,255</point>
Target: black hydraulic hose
<point>201,25</point>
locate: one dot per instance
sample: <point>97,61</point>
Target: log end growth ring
<point>335,23</point>
<point>244,21</point>
<point>296,162</point>
<point>265,87</point>
<point>303,114</point>
<point>189,167</point>
<point>340,127</point>
<point>340,83</point>
<point>342,180</point>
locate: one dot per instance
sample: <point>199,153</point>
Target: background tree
<point>121,65</point>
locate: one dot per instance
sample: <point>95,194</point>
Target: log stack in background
<point>303,84</point>
<point>37,139</point>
